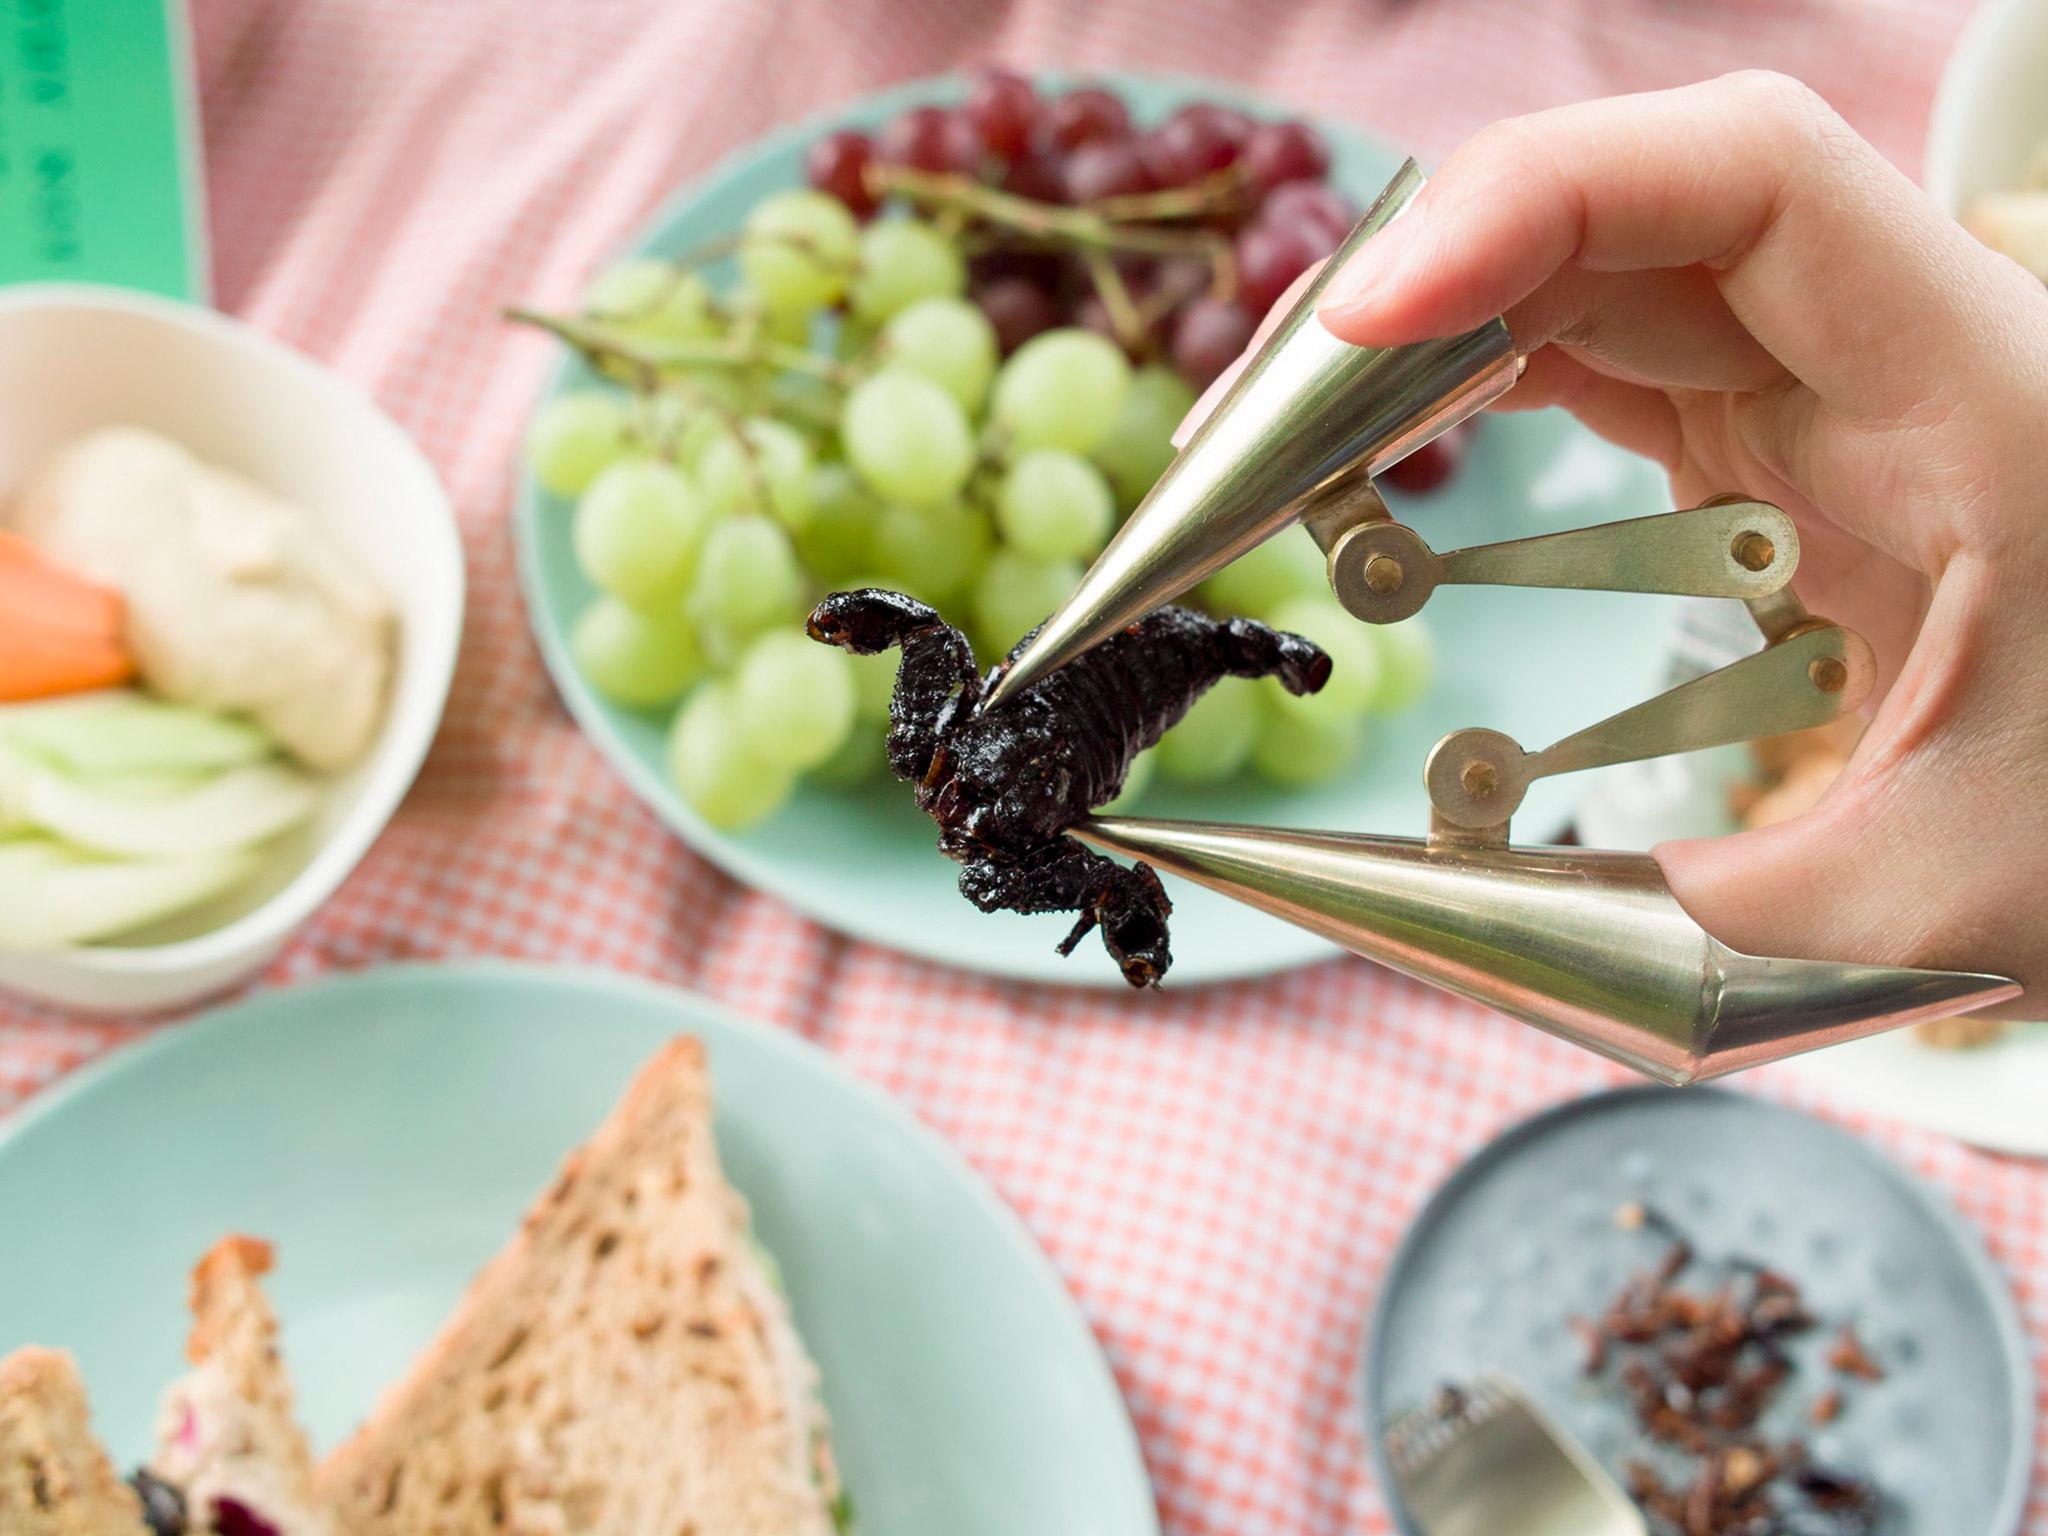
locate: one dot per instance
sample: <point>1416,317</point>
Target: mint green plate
<point>386,1131</point>
<point>1534,664</point>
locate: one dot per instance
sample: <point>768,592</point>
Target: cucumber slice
<point>236,809</point>
<point>121,731</point>
<point>53,896</point>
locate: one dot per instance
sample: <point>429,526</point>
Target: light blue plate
<point>387,1131</point>
<point>1536,665</point>
<point>1522,1238</point>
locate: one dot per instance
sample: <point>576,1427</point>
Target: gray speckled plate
<point>1523,1236</point>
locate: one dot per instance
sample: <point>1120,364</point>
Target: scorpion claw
<point>1132,911</point>
<point>870,620</point>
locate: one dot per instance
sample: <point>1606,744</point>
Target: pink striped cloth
<point>385,173</point>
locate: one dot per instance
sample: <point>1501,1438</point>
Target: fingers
<point>1749,177</point>
<point>1670,328</point>
<point>1640,419</point>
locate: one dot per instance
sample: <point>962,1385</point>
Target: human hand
<point>1727,279</point>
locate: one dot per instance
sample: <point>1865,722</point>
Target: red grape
<point>1178,278</point>
<point>1210,335</point>
<point>1315,207</point>
<point>1269,257</point>
<point>837,164</point>
<point>1018,309</point>
<point>1045,268</point>
<point>1086,116</point>
<point>1278,152</point>
<point>1039,174</point>
<point>1093,315</point>
<point>930,139</point>
<point>1430,465</point>
<point>1196,140</point>
<point>1003,108</point>
<point>1104,168</point>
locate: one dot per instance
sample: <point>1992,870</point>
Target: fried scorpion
<point>1005,785</point>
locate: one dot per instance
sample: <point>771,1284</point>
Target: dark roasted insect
<point>1005,785</point>
<point>1700,1368</point>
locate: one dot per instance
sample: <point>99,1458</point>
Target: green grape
<point>651,299</point>
<point>675,427</point>
<point>1255,583</point>
<point>1297,748</point>
<point>1215,738</point>
<point>796,699</point>
<point>907,438</point>
<point>1407,664</point>
<point>1137,779</point>
<point>861,759</point>
<point>901,261</point>
<point>1354,654</point>
<point>874,683</point>
<point>941,549</point>
<point>714,770</point>
<point>950,342</point>
<point>638,531</point>
<point>1140,442</point>
<point>1062,389</point>
<point>834,541</point>
<point>634,658</point>
<point>747,577</point>
<point>574,436</point>
<point>1014,595</point>
<point>766,460</point>
<point>1055,506</point>
<point>797,250</point>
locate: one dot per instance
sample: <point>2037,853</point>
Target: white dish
<point>1991,110</point>
<point>73,358</point>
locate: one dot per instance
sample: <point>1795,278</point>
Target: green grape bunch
<point>845,392</point>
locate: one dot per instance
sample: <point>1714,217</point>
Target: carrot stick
<point>38,592</point>
<point>59,633</point>
<point>41,663</point>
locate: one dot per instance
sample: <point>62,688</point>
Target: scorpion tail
<point>870,620</point>
<point>1253,650</point>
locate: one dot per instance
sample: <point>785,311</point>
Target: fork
<point>1483,1460</point>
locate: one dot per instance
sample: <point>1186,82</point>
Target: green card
<point>99,146</point>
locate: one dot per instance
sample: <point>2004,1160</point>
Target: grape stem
<point>643,365</point>
<point>1124,317</point>
<point>1083,227</point>
<point>1198,199</point>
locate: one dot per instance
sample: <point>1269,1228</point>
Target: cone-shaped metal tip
<point>1309,409</point>
<point>1586,944</point>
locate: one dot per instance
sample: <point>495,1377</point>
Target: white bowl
<point>73,358</point>
<point>1991,110</point>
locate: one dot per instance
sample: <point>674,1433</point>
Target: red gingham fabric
<point>386,173</point>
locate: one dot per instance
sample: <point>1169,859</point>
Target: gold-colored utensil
<point>1588,944</point>
<point>1486,1461</point>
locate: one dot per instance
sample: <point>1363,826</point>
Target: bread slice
<point>226,1438</point>
<point>626,1365</point>
<point>55,1479</point>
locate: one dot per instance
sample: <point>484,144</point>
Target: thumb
<point>1926,851</point>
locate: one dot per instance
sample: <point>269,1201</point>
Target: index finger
<point>1832,259</point>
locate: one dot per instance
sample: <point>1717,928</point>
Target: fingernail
<point>1374,272</point>
<point>1206,402</point>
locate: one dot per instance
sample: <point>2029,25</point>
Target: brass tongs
<point>1587,944</point>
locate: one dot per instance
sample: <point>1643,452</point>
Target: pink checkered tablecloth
<point>386,173</point>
